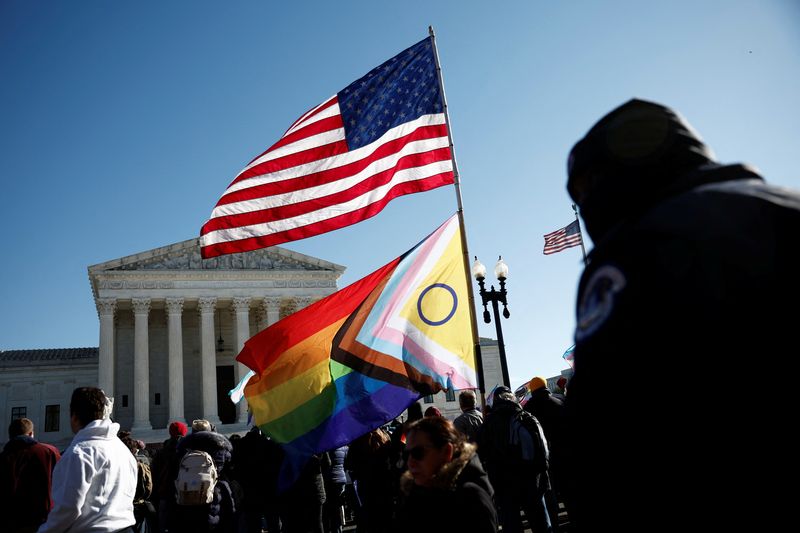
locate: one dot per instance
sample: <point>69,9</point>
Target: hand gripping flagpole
<point>460,212</point>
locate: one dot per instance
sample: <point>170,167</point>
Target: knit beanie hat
<point>177,429</point>
<point>536,383</point>
<point>201,425</point>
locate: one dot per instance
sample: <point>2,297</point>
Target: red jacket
<point>26,470</point>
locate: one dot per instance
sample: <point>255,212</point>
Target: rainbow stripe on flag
<point>359,357</point>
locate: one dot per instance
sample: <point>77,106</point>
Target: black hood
<point>628,160</point>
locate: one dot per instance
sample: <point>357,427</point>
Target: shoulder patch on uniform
<point>597,301</point>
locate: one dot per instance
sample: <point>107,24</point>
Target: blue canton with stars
<point>400,90</point>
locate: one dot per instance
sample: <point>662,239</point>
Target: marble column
<point>175,368</point>
<point>141,366</point>
<point>241,309</point>
<point>208,359</point>
<point>105,362</point>
<point>271,310</point>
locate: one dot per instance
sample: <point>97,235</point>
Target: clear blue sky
<point>121,123</point>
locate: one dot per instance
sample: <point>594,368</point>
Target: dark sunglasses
<point>417,453</point>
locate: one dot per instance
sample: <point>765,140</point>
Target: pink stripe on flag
<point>400,295</point>
<point>433,366</point>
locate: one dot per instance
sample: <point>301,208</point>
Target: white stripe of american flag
<point>334,161</point>
<point>301,144</point>
<point>374,195</point>
<point>327,189</point>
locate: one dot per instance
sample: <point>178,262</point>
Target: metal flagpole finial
<point>431,32</point>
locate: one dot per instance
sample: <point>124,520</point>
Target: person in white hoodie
<point>95,481</point>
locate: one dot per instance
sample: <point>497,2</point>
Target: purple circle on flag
<point>449,289</point>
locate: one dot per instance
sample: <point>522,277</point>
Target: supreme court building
<point>171,325</point>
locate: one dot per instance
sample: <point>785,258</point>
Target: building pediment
<point>178,269</point>
<point>185,256</point>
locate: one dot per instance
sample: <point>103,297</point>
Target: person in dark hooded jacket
<point>516,457</point>
<point>445,487</point>
<point>693,278</point>
<point>550,412</point>
<point>217,516</point>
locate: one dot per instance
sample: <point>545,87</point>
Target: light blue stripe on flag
<point>237,393</point>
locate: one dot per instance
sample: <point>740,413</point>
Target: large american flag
<point>381,137</point>
<point>563,238</point>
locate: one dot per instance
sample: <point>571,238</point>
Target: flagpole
<point>583,249</point>
<point>462,225</point>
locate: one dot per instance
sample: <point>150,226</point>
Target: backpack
<point>197,477</point>
<point>144,482</point>
<point>527,444</point>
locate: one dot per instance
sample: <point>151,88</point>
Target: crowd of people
<point>693,262</point>
<point>418,475</point>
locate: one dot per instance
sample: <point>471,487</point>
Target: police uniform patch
<point>597,301</point>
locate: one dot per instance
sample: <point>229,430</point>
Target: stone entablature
<point>177,271</point>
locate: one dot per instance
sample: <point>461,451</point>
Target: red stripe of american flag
<point>328,176</point>
<point>312,204</point>
<point>325,136</point>
<point>330,224</point>
<point>297,132</point>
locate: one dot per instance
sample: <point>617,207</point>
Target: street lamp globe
<point>495,297</point>
<point>501,268</point>
<point>478,270</point>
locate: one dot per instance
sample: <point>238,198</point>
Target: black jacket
<point>682,310</point>
<point>219,515</point>
<point>461,499</point>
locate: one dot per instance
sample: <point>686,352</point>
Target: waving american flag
<point>562,239</point>
<point>382,136</point>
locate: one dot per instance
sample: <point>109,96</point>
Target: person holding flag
<point>386,134</point>
<point>356,359</point>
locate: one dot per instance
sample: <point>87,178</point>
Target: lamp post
<point>496,297</point>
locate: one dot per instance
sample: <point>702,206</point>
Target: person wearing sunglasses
<point>445,487</point>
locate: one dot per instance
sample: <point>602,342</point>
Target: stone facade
<point>37,384</point>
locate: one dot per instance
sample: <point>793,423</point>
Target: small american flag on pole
<point>380,137</point>
<point>561,239</point>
